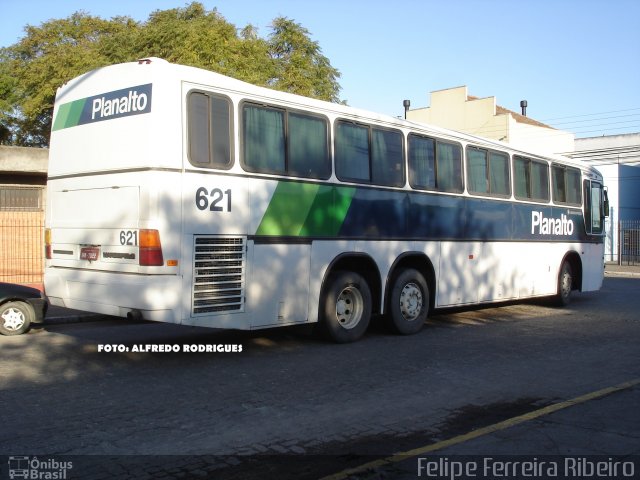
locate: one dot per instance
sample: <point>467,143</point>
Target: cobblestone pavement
<point>289,402</point>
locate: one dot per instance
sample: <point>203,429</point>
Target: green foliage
<point>59,50</point>
<point>300,66</point>
<point>46,58</point>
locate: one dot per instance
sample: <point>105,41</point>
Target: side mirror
<point>606,203</point>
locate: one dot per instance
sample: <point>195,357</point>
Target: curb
<point>622,274</point>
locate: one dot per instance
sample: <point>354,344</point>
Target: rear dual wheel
<point>345,307</point>
<point>409,302</point>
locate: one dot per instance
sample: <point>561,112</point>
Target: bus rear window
<point>209,130</point>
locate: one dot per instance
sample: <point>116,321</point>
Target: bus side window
<point>308,146</point>
<point>387,157</point>
<point>369,155</point>
<point>449,167</point>
<point>539,181</point>
<point>488,172</point>
<point>566,185</point>
<point>263,139</point>
<point>499,174</point>
<point>434,165</point>
<point>587,206</point>
<point>209,130</point>
<point>352,152</point>
<point>530,179</point>
<point>477,171</point>
<point>422,162</point>
<point>573,186</point>
<point>522,178</point>
<point>597,208</point>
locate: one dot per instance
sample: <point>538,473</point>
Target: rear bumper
<point>153,297</point>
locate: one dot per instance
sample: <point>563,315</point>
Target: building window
<point>20,199</point>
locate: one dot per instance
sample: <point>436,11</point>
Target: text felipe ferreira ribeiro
<point>495,468</point>
<point>170,348</point>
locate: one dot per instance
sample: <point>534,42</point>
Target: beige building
<point>23,179</point>
<point>455,109</point>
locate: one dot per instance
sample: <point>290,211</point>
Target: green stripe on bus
<point>288,209</point>
<point>306,209</point>
<point>69,114</point>
<point>328,211</point>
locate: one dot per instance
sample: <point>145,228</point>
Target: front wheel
<point>345,307</point>
<point>409,302</point>
<point>565,285</point>
<point>15,318</point>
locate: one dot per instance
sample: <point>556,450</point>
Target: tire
<point>15,318</point>
<point>565,285</point>
<point>408,302</point>
<point>345,307</point>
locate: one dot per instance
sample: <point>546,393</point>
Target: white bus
<point>180,195</point>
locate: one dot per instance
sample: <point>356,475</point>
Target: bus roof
<point>213,79</point>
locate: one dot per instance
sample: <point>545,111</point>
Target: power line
<point>551,132</point>
<point>591,114</point>
<point>599,118</point>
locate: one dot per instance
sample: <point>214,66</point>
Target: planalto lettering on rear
<point>132,102</point>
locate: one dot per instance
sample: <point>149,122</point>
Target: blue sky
<point>576,62</point>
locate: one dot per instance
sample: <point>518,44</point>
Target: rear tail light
<point>150,250</point>
<point>47,243</point>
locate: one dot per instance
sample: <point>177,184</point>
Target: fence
<point>629,242</point>
<point>22,235</point>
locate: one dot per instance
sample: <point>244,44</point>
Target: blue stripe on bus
<point>410,215</point>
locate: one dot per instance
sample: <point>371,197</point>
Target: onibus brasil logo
<point>36,469</point>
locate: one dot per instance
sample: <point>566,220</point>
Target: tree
<point>48,56</point>
<point>300,66</point>
<point>59,50</point>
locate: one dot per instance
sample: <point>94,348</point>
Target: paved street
<point>289,404</point>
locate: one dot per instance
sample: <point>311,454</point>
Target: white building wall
<point>545,141</point>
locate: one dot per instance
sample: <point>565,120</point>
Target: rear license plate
<point>90,253</point>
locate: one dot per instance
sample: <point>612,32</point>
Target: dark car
<point>20,306</point>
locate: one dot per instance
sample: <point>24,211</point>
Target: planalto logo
<point>550,226</point>
<point>131,102</point>
<point>105,106</point>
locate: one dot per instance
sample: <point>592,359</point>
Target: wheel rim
<point>349,307</point>
<point>13,319</point>
<point>411,301</point>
